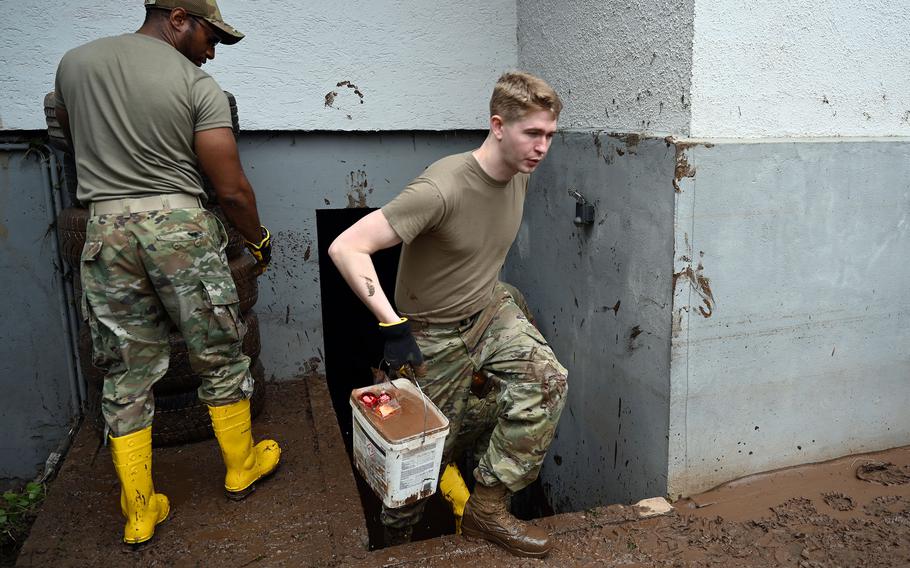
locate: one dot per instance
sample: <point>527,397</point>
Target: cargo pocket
<point>224,323</point>
<point>90,253</point>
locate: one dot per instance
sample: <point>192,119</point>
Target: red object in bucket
<point>383,404</point>
<point>369,399</point>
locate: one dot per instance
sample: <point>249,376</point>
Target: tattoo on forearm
<point>370,288</point>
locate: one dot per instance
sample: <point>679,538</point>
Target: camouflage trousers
<point>509,428</point>
<point>140,273</point>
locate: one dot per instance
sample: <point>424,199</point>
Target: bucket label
<point>366,458</point>
<point>418,466</point>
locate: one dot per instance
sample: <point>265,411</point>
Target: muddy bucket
<point>399,456</point>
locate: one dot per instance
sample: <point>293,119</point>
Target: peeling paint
<point>676,324</point>
<point>683,168</point>
<point>699,283</point>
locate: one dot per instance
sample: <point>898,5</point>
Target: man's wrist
<point>393,322</point>
<point>261,240</point>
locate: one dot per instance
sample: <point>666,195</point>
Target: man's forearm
<point>240,209</point>
<point>358,271</point>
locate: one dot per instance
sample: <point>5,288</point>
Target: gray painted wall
<point>602,297</point>
<point>803,247</point>
<point>35,364</point>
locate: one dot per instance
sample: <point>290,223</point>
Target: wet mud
<point>307,514</point>
<point>854,511</point>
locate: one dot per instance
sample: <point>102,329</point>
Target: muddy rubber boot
<point>486,515</point>
<point>142,507</point>
<point>394,536</point>
<point>454,490</point>
<point>245,462</point>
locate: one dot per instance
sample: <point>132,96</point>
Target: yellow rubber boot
<point>245,462</point>
<point>453,488</point>
<point>142,507</point>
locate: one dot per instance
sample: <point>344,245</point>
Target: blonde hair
<point>516,93</point>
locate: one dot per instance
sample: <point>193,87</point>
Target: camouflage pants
<point>142,271</point>
<point>510,428</point>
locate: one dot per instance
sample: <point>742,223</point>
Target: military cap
<point>205,9</point>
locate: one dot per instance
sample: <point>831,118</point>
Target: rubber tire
<point>180,376</point>
<point>179,418</point>
<point>69,178</point>
<point>57,140</point>
<point>71,223</point>
<point>55,137</point>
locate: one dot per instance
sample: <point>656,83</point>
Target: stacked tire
<point>180,417</point>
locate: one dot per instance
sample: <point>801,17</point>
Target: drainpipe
<point>48,160</point>
<point>72,316</point>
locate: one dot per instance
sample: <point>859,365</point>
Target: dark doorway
<point>352,347</point>
<point>352,342</point>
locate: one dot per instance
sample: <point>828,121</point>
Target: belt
<point>141,204</point>
<point>419,325</point>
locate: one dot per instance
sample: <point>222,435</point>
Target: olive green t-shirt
<point>457,224</point>
<point>134,103</point>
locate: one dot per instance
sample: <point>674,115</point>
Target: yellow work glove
<point>261,250</point>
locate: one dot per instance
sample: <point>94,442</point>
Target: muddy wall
<point>790,313</point>
<point>602,296</point>
<point>35,365</point>
<point>379,65</point>
<point>619,66</point>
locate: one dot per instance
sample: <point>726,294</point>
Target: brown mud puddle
<point>815,516</point>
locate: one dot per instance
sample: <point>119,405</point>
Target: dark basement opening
<point>352,347</point>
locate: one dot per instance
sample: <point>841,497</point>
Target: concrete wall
<point>418,66</point>
<point>623,67</point>
<point>790,311</point>
<point>785,68</point>
<point>35,364</point>
<point>602,295</point>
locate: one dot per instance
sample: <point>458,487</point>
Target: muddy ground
<point>309,514</point>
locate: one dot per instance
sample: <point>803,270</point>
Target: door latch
<point>584,211</point>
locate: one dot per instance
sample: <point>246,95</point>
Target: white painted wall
<point>419,65</point>
<point>621,67</point>
<point>800,68</point>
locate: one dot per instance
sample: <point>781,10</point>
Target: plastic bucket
<point>399,456</point>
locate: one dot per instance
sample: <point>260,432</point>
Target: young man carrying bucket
<point>457,221</point>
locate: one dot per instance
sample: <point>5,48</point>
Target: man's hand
<point>262,250</point>
<point>400,347</point>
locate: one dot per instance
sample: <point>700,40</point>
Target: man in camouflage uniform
<point>140,114</point>
<point>457,221</point>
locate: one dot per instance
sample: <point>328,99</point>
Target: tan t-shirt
<point>134,103</point>
<point>457,224</point>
